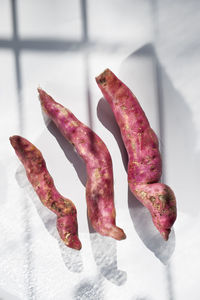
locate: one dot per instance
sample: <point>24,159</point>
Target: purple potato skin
<point>145,165</point>
<point>99,187</point>
<point>43,185</point>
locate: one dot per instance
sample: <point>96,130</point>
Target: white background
<point>153,46</point>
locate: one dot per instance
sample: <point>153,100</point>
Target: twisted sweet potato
<point>144,166</point>
<point>43,184</point>
<point>99,187</point>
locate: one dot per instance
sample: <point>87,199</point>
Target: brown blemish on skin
<point>81,141</point>
<point>136,163</point>
<point>123,107</point>
<point>152,199</point>
<point>156,205</point>
<point>162,198</point>
<point>97,173</point>
<point>66,238</point>
<point>152,168</point>
<point>173,209</point>
<point>133,147</point>
<point>103,78</point>
<point>67,203</point>
<point>53,205</point>
<point>143,194</point>
<point>48,197</point>
<point>74,123</point>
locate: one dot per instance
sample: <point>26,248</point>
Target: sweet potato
<point>43,185</point>
<point>99,187</point>
<point>144,166</point>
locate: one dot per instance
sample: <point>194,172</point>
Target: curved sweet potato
<point>99,187</point>
<point>144,167</point>
<point>43,184</point>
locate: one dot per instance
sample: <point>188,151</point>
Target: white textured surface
<point>34,264</point>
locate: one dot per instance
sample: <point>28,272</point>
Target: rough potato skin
<point>43,184</point>
<point>99,187</point>
<point>144,166</point>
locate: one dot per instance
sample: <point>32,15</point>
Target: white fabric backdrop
<point>153,46</point>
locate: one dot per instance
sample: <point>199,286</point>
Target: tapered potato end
<point>73,242</point>
<point>68,230</point>
<point>165,234</point>
<point>103,77</point>
<point>117,233</point>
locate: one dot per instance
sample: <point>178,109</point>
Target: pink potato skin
<point>43,185</point>
<point>144,166</point>
<point>99,187</point>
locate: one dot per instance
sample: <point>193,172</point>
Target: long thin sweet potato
<point>144,166</point>
<point>43,184</point>
<point>99,187</point>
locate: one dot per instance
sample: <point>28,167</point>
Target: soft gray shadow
<point>105,254</point>
<point>107,118</point>
<point>70,153</point>
<point>89,289</point>
<point>72,258</point>
<point>180,139</point>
